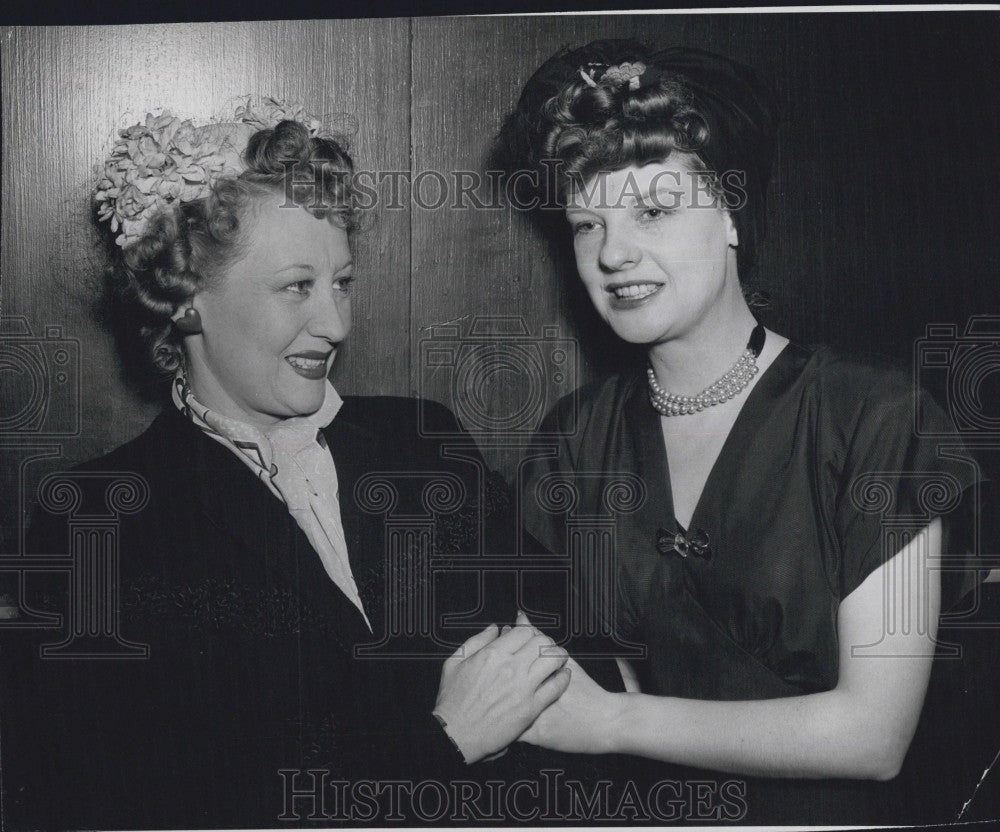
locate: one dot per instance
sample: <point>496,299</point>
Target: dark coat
<point>251,666</point>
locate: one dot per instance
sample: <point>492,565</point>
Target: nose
<point>331,316</point>
<point>618,251</point>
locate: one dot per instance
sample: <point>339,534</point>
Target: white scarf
<point>293,460</point>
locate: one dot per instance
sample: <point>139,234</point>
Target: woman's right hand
<point>496,684</point>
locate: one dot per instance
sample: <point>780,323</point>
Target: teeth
<point>306,363</point>
<point>638,291</point>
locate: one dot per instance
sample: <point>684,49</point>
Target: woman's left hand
<point>580,721</point>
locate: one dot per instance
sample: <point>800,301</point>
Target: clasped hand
<point>519,685</point>
<point>495,686</point>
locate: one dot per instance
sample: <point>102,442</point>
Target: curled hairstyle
<point>189,246</point>
<point>577,119</point>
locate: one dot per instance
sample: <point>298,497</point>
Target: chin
<point>636,333</point>
<point>305,403</point>
<point>634,336</point>
<point>309,407</point>
<point>641,326</point>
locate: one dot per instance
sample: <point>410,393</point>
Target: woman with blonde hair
<point>257,568</point>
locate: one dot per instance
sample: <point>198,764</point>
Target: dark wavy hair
<point>686,100</point>
<point>190,246</point>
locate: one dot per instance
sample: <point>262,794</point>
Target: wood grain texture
<point>883,205</point>
<point>65,93</point>
<point>883,208</point>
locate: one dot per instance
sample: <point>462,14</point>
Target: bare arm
<point>860,729</point>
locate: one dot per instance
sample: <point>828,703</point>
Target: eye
<point>652,214</point>
<point>584,227</point>
<point>300,287</point>
<point>344,283</point>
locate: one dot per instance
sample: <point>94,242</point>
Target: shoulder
<point>874,410</point>
<point>134,477</point>
<point>850,390</point>
<point>590,423</point>
<point>870,376</point>
<point>394,434</point>
<point>594,402</point>
<point>397,416</point>
<point>168,443</point>
<point>396,431</point>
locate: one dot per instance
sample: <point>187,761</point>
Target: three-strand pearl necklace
<point>733,382</point>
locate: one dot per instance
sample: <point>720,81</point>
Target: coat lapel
<point>231,498</point>
<point>352,447</point>
<point>259,538</point>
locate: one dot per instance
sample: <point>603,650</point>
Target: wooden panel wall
<point>66,90</point>
<point>883,208</point>
<point>883,203</point>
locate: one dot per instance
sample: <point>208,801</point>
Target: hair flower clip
<point>626,73</point>
<point>165,161</point>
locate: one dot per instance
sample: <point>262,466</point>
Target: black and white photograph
<point>464,419</point>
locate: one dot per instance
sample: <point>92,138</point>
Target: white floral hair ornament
<point>166,161</point>
<point>628,73</point>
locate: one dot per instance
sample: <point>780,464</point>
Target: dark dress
<point>820,479</point>
<point>251,667</point>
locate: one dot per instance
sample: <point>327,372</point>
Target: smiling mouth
<point>633,291</point>
<point>309,364</point>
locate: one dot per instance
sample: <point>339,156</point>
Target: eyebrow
<point>648,196</point>
<point>636,198</point>
<point>309,268</point>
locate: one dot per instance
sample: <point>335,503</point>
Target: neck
<point>209,393</point>
<point>688,363</point>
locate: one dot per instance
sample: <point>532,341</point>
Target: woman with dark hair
<point>258,566</point>
<point>788,636</point>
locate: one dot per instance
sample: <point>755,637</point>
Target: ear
<point>732,236</point>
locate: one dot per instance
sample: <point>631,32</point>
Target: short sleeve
<point>905,465</point>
